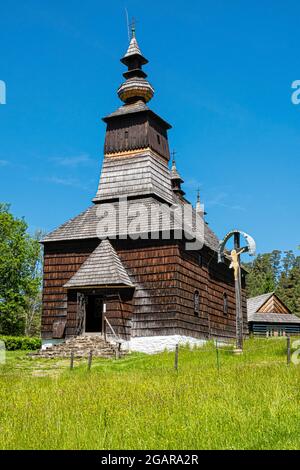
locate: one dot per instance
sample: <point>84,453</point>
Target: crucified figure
<point>234,257</point>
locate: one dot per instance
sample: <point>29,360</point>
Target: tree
<point>289,283</point>
<point>276,272</point>
<point>20,274</point>
<point>262,274</point>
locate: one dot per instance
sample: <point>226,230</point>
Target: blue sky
<point>222,72</point>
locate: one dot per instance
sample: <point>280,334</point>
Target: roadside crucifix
<point>235,263</point>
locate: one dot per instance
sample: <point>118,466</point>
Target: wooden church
<point>103,267</point>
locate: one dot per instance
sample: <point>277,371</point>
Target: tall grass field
<point>213,401</point>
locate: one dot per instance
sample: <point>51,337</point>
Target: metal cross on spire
<point>133,27</point>
<point>173,153</point>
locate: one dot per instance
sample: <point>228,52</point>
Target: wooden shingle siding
<point>130,176</point>
<point>272,305</point>
<point>61,261</point>
<point>128,134</point>
<point>136,131</point>
<point>211,280</point>
<point>165,279</point>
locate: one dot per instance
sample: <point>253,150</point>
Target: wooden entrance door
<point>94,314</point>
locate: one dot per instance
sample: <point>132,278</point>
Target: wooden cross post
<point>238,297</point>
<point>235,263</point>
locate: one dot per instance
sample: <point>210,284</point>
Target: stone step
<point>81,346</point>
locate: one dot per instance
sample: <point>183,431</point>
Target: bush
<point>15,343</point>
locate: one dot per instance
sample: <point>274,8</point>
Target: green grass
<point>140,402</point>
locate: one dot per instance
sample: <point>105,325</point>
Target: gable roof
<point>256,313</point>
<point>102,268</point>
<point>254,303</point>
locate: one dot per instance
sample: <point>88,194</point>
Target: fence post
<point>218,359</point>
<point>118,350</point>
<point>72,360</point>
<point>176,356</point>
<point>90,360</point>
<point>288,339</point>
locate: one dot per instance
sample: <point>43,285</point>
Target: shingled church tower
<point>112,264</point>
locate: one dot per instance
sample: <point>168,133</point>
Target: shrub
<point>24,343</point>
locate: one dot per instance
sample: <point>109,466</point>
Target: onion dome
<point>136,87</point>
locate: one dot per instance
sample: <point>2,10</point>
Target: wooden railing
<point>107,323</point>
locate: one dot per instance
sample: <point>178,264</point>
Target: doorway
<point>94,315</point>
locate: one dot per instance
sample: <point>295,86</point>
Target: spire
<point>133,50</point>
<point>135,88</point>
<point>175,176</point>
<point>176,179</point>
<point>199,207</point>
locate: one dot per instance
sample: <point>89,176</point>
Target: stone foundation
<point>156,344</point>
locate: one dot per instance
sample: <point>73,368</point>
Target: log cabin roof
<point>268,308</point>
<point>84,226</point>
<point>134,176</point>
<point>102,268</point>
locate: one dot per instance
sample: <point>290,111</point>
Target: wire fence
<point>214,353</point>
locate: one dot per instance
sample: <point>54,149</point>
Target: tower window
<point>126,135</point>
<point>158,139</point>
<point>225,304</point>
<point>197,303</point>
<point>200,260</point>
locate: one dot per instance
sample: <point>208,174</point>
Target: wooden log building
<point>269,316</point>
<point>143,279</point>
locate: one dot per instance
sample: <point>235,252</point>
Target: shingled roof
<point>102,268</point>
<point>133,48</point>
<point>131,176</point>
<point>137,107</point>
<point>133,108</point>
<point>274,318</point>
<point>89,225</point>
<point>254,305</point>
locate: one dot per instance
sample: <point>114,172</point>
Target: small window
<point>126,135</point>
<point>225,304</point>
<point>200,260</point>
<point>158,139</point>
<point>197,303</point>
